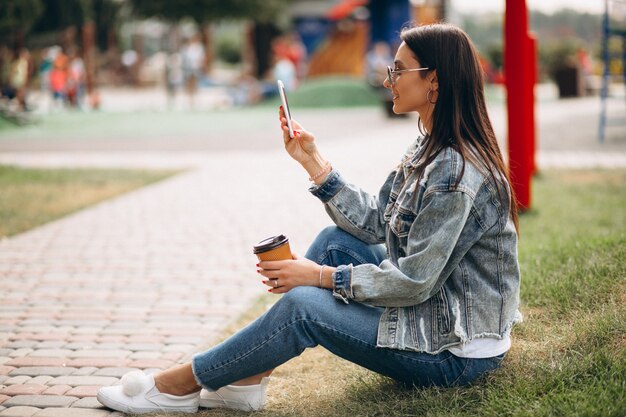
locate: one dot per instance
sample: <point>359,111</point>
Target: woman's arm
<point>351,208</point>
<point>354,210</point>
<point>303,149</point>
<point>282,276</point>
<point>434,250</point>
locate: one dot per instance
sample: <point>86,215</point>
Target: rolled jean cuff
<point>195,375</point>
<point>342,283</point>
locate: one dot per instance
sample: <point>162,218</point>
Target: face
<point>411,88</point>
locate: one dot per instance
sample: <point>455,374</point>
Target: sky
<point>546,6</point>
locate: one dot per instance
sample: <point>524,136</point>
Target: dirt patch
<point>590,177</point>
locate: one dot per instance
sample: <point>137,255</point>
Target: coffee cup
<point>275,248</point>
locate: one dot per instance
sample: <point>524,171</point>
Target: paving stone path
<point>139,282</point>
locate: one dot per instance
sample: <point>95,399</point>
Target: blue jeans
<point>309,316</point>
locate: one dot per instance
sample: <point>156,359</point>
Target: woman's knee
<point>319,248</point>
<point>300,296</point>
<point>329,233</point>
<point>300,301</point>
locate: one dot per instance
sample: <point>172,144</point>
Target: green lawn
<point>569,355</point>
<point>330,92</point>
<point>32,197</point>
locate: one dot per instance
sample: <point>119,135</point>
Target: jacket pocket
<point>443,312</point>
<point>390,208</point>
<point>401,222</point>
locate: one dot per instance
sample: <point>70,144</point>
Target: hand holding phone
<point>283,98</point>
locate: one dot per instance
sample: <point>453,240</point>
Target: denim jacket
<point>452,273</point>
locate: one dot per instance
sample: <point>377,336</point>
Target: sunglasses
<point>392,75</point>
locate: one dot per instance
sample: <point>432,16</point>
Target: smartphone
<point>283,98</point>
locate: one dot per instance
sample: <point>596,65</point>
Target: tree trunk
<point>138,43</point>
<point>89,54</point>
<point>68,39</point>
<point>113,61</point>
<point>264,34</point>
<point>247,55</point>
<point>206,32</point>
<point>19,39</point>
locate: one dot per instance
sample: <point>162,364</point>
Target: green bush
<point>228,50</point>
<point>558,55</point>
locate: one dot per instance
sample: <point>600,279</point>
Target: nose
<point>387,83</point>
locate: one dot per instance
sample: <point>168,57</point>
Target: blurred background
<point>86,55</point>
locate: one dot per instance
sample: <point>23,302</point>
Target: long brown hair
<point>459,118</point>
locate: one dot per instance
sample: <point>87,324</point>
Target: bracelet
<point>321,270</point>
<point>322,172</point>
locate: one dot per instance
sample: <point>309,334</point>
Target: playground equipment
<point>520,64</point>
<point>613,9</point>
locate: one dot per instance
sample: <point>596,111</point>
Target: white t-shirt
<point>487,347</point>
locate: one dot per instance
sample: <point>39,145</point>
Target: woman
<point>434,305</point>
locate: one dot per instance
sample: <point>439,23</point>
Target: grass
<point>96,126</point>
<point>332,91</point>
<point>568,357</point>
<point>32,197</point>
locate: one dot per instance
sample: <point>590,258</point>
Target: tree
<point>204,12</point>
<point>16,19</point>
<point>78,22</point>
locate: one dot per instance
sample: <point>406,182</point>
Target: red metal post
<point>520,68</point>
<point>532,69</point>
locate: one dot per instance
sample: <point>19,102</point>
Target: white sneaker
<point>245,397</point>
<point>137,394</point>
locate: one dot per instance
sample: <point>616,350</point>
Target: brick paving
<point>141,281</point>
<point>145,280</point>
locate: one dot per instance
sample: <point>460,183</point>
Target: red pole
<point>520,98</point>
<point>532,69</point>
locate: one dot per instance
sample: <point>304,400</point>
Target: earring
<point>429,97</point>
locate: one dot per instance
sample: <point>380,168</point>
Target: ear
<point>434,80</point>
